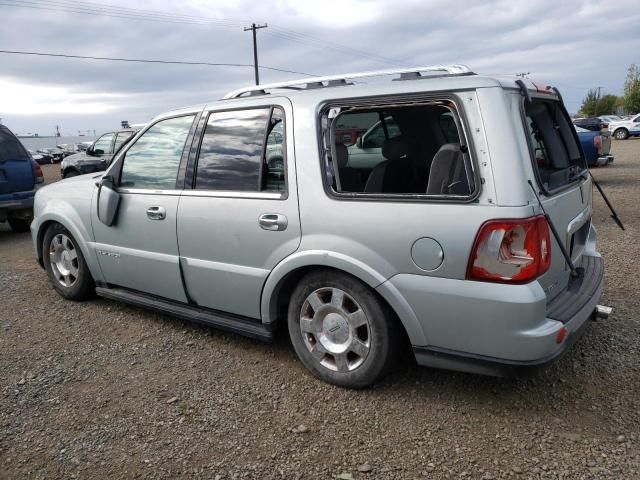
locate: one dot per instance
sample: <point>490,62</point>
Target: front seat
<point>447,175</point>
<point>395,174</point>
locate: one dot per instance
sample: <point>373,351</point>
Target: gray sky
<point>571,44</point>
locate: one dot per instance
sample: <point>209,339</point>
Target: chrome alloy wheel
<point>335,329</point>
<point>64,260</point>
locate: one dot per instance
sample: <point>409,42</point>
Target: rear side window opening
<point>412,150</point>
<point>556,154</point>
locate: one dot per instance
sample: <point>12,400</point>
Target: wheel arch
<point>625,129</point>
<point>80,235</point>
<point>285,276</point>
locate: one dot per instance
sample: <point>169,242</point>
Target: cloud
<point>573,44</point>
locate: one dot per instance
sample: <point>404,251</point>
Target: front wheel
<point>65,264</point>
<point>340,330</point>
<point>621,134</point>
<point>71,173</point>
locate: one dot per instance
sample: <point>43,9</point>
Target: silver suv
<point>466,236</point>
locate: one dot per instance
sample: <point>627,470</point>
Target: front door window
<point>152,162</point>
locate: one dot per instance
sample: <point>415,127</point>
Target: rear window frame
<point>530,148</point>
<point>25,152</point>
<point>406,100</point>
<point>194,156</point>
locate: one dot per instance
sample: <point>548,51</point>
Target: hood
<point>82,157</point>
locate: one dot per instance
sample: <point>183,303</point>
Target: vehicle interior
<point>403,150</point>
<point>557,155</point>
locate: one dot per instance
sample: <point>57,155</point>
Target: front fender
<point>61,211</point>
<point>350,265</point>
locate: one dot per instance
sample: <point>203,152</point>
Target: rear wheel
<point>340,330</point>
<point>621,134</point>
<point>65,264</point>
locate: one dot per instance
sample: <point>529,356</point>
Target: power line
<point>96,9</point>
<point>141,60</point>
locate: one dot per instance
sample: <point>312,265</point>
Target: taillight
<point>37,172</point>
<point>510,251</point>
<point>604,125</point>
<point>597,143</point>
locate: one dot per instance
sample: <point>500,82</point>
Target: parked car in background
<point>20,177</point>
<point>40,158</point>
<point>610,118</point>
<point>446,246</point>
<point>54,154</point>
<point>594,124</point>
<point>626,128</point>
<point>96,157</point>
<point>596,147</point>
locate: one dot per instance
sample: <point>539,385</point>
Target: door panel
<point>226,250</point>
<point>226,255</point>
<point>139,252</point>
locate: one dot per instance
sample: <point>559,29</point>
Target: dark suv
<point>20,176</point>
<point>594,124</point>
<point>97,157</point>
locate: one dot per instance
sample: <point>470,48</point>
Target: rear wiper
<point>575,272</point>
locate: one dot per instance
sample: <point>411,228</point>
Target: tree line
<point>595,103</point>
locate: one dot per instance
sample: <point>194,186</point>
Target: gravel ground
<point>103,390</point>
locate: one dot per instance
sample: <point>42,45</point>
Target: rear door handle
<point>156,213</point>
<point>272,221</point>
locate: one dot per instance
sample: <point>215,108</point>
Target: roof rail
<point>342,79</point>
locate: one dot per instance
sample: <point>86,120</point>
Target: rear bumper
<point>604,160</point>
<point>10,202</point>
<point>498,329</point>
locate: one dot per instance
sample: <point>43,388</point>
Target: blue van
<point>20,177</point>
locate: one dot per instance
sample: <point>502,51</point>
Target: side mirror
<point>97,151</point>
<point>359,142</point>
<point>108,201</point>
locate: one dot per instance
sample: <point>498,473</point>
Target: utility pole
<point>253,29</point>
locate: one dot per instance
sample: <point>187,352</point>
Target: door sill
<point>245,326</point>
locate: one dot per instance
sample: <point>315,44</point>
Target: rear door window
<point>243,150</point>
<point>121,138</point>
<point>556,153</point>
<point>10,147</point>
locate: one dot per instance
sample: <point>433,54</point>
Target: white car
<point>626,128</point>
<point>610,118</point>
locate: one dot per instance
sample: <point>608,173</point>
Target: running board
<point>228,322</point>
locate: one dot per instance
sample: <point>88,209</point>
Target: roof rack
<point>342,79</point>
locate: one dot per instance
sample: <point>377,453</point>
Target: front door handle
<point>273,221</point>
<point>156,213</point>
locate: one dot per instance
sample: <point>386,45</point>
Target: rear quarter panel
<point>373,239</point>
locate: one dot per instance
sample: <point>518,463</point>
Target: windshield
<point>557,156</point>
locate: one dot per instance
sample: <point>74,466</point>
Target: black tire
<point>621,134</point>
<point>19,225</point>
<point>382,334</point>
<point>82,287</point>
<point>71,173</point>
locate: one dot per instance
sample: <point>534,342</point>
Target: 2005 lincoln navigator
<point>459,221</point>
